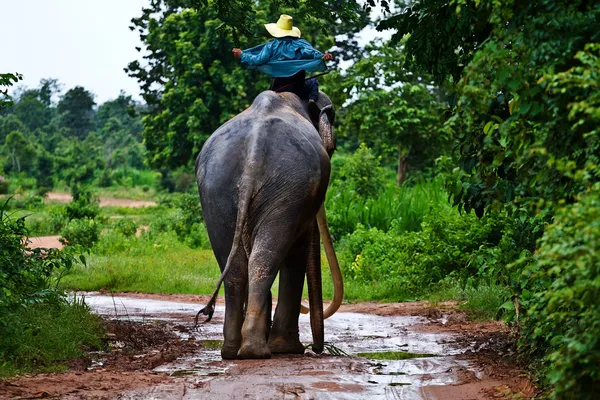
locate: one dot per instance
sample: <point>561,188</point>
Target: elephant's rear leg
<point>284,336</point>
<point>263,265</point>
<point>236,288</point>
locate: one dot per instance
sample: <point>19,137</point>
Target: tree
<point>191,82</point>
<point>125,110</point>
<point>20,151</point>
<point>8,124</point>
<point>395,119</point>
<point>522,136</point>
<point>33,112</point>
<point>76,110</point>
<point>6,81</point>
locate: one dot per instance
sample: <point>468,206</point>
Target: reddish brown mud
<point>154,352</point>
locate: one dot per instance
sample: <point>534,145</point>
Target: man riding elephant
<point>262,178</point>
<point>287,58</point>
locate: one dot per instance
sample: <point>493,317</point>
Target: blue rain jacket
<point>283,57</point>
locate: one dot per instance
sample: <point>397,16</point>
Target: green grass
<point>480,301</point>
<point>151,265</point>
<point>140,215</point>
<point>130,193</point>
<point>40,337</point>
<point>406,205</point>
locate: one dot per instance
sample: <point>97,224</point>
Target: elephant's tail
<point>245,195</point>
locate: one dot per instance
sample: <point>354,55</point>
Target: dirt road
<point>104,201</point>
<point>408,351</point>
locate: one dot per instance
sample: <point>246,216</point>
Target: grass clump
<point>42,336</point>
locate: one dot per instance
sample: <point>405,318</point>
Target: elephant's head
<point>322,115</point>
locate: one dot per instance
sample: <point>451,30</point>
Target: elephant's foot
<point>229,352</point>
<point>254,349</point>
<point>285,345</point>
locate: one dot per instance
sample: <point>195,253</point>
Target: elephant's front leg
<point>284,333</point>
<point>263,265</point>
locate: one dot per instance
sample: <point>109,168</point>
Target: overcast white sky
<point>79,42</point>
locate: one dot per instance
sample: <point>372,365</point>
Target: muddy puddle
<point>386,358</point>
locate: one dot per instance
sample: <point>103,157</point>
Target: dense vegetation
<point>491,105</point>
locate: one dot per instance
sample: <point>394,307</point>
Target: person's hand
<point>327,57</point>
<point>237,53</point>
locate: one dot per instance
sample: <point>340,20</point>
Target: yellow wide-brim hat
<point>284,27</point>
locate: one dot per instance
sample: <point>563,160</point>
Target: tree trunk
<point>402,166</point>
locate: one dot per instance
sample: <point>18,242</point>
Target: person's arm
<point>309,52</point>
<point>254,60</point>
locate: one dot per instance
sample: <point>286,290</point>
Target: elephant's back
<point>273,143</point>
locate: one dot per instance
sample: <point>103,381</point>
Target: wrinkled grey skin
<point>262,178</point>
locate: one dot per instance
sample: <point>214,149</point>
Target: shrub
<point>198,237</point>
<point>186,214</point>
<point>25,275</point>
<point>412,262</point>
<point>4,184</point>
<point>125,226</point>
<point>84,205</point>
<point>560,291</point>
<point>83,232</point>
<point>362,173</point>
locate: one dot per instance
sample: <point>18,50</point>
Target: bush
<point>198,237</point>
<point>361,172</point>
<point>413,262</point>
<point>83,232</point>
<point>4,184</point>
<point>25,275</point>
<point>38,327</point>
<point>125,226</point>
<point>186,214</point>
<point>26,201</point>
<point>84,205</point>
<point>560,291</point>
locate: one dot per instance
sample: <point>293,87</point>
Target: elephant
<point>262,178</point>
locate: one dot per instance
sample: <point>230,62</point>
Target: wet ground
<point>392,351</point>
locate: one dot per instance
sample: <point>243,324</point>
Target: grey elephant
<point>262,179</point>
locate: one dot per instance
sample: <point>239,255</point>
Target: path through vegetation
<point>400,351</point>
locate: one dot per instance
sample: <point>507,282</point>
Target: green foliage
<point>76,110</point>
<point>83,205</point>
<point>360,172</point>
<point>39,328</point>
<point>408,130</point>
<point>6,81</point>
<point>80,232</point>
<point>26,276</point>
<point>413,262</point>
<point>145,264</point>
<point>82,227</point>
<point>4,185</point>
<point>405,206</point>
<point>182,219</point>
<point>125,226</point>
<point>560,289</point>
<point>43,336</point>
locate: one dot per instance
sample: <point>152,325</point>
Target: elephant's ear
<point>325,129</point>
<point>315,113</point>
